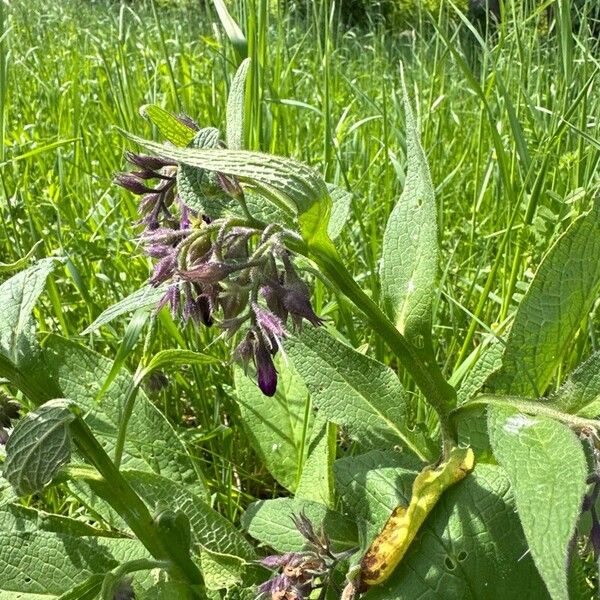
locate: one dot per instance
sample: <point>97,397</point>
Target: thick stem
<point>121,496</point>
<point>427,375</point>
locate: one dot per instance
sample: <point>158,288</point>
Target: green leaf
<point>170,127</point>
<point>270,522</point>
<point>340,210</point>
<point>176,358</point>
<point>279,427</point>
<point>199,188</point>
<point>39,445</point>
<point>470,547</point>
<point>356,392</point>
<point>221,571</point>
<point>298,189</point>
<point>235,133</point>
<point>489,361</point>
<point>18,296</point>
<point>547,469</point>
<point>232,29</point>
<point>316,482</point>
<point>409,259</point>
<point>558,299</point>
<point>146,297</point>
<point>40,565</point>
<point>580,393</point>
<point>151,444</point>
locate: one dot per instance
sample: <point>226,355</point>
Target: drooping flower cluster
<point>9,411</point>
<point>228,266</point>
<point>298,574</point>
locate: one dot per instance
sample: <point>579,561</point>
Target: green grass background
<point>509,124</point>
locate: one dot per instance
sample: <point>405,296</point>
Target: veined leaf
<point>340,209</point>
<point>42,565</point>
<point>198,187</point>
<point>470,547</point>
<point>146,297</point>
<point>39,445</point>
<point>235,134</point>
<point>558,299</point>
<point>279,427</point>
<point>356,392</point>
<point>316,482</point>
<point>18,296</point>
<point>580,393</point>
<point>221,571</point>
<point>409,259</point>
<point>547,469</point>
<point>301,191</point>
<point>270,522</point>
<point>170,127</point>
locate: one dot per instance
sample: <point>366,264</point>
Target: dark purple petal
<point>296,300</point>
<point>147,162</point>
<point>164,269</point>
<point>132,183</point>
<point>266,372</point>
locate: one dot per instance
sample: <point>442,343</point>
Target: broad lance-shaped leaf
<point>146,297</point>
<point>580,393</point>
<point>18,296</point>
<point>270,522</point>
<point>409,259</point>
<point>558,299</point>
<point>278,428</point>
<point>41,564</point>
<point>471,546</point>
<point>356,392</point>
<point>170,127</point>
<point>235,108</point>
<point>301,191</point>
<point>547,469</point>
<point>39,445</point>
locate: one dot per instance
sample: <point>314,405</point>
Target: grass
<point>509,124</point>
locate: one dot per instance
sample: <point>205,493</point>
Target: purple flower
<point>266,372</point>
<point>276,561</point>
<point>164,269</point>
<point>269,324</point>
<point>132,183</point>
<point>211,271</point>
<point>147,162</point>
<point>296,300</point>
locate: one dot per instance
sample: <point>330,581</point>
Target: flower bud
<point>130,182</point>
<point>164,269</point>
<point>266,372</point>
<point>147,162</point>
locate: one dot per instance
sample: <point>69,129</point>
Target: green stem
<point>426,374</point>
<point>121,496</point>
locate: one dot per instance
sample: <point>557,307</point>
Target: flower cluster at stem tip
<point>233,266</point>
<point>298,574</point>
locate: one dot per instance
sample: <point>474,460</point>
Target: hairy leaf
<point>547,469</point>
<point>340,209</point>
<point>580,393</point>
<point>39,564</point>
<point>409,259</point>
<point>279,427</point>
<point>18,296</point>
<point>235,108</point>
<point>298,188</point>
<point>146,297</point>
<point>39,445</point>
<point>558,299</point>
<point>354,391</point>
<point>170,127</point>
<point>270,522</point>
<point>470,547</point>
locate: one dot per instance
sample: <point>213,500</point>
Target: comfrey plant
<point>491,493</point>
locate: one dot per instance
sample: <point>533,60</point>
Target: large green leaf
<point>547,469</point>
<point>146,297</point>
<point>38,564</point>
<point>409,259</point>
<point>470,547</point>
<point>270,522</point>
<point>39,445</point>
<point>356,392</point>
<point>558,299</point>
<point>151,443</point>
<point>235,133</point>
<point>279,427</point>
<point>294,186</point>
<point>170,127</point>
<point>316,482</point>
<point>580,393</point>
<point>18,296</point>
